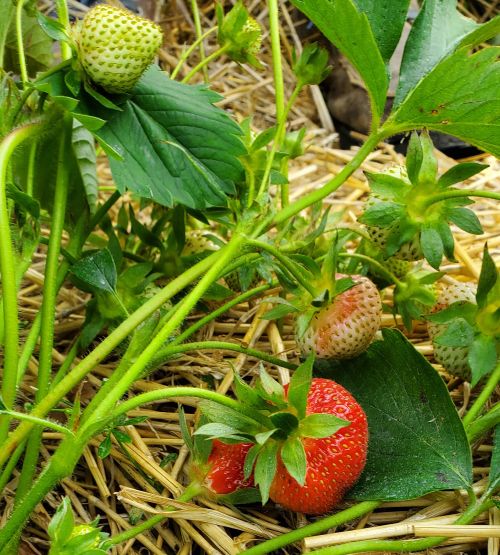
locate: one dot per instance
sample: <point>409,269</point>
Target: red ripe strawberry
<point>345,327</point>
<point>453,359</point>
<point>225,463</point>
<point>334,463</point>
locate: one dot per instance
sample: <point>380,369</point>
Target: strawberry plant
<point>201,216</point>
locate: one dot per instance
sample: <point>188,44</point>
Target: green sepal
<point>459,173</point>
<point>244,496</point>
<point>186,436</point>
<point>293,456</point>
<point>432,245</point>
<point>459,333</point>
<point>482,357</point>
<point>262,139</point>
<point>321,425</point>
<point>487,278</point>
<point>414,157</point>
<point>399,235</point>
<point>300,384</point>
<point>284,307</point>
<point>52,27</point>
<point>286,422</point>
<point>247,395</point>
<point>250,459</point>
<point>382,214</point>
<point>311,67</point>
<point>387,186</point>
<point>216,430</point>
<point>460,309</point>
<point>265,468</point>
<point>231,417</point>
<point>302,322</point>
<point>465,219</point>
<point>264,436</point>
<point>429,167</point>
<point>447,238</point>
<point>272,389</point>
<point>62,523</point>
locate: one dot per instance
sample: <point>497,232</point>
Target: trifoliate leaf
<point>459,333</point>
<point>293,456</point>
<point>482,357</point>
<point>321,425</point>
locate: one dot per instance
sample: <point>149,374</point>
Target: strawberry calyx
<point>418,206</point>
<point>279,430</point>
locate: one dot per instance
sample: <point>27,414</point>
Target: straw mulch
<point>155,467</point>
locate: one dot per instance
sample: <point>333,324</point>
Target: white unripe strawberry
<point>115,46</point>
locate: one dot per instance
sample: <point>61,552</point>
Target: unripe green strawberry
<point>115,46</point>
<point>453,359</point>
<point>346,326</point>
<point>409,251</point>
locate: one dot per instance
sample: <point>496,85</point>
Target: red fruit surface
<point>225,463</point>
<point>335,463</point>
<point>345,327</point>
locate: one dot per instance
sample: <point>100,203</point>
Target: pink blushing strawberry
<point>345,327</point>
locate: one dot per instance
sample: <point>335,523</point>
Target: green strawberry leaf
<point>349,30</point>
<point>121,437</point>
<point>429,41</point>
<point>460,172</point>
<point>321,425</point>
<point>432,245</point>
<point>482,357</point>
<point>459,333</point>
<point>414,157</point>
<point>494,479</point>
<point>460,309</point>
<point>386,21</point>
<point>300,385</point>
<point>293,456</point>
<point>265,468</point>
<point>412,420</point>
<point>448,99</point>
<point>487,278</point>
<point>97,271</point>
<point>382,214</point>
<point>387,186</point>
<point>465,219</point>
<point>483,33</point>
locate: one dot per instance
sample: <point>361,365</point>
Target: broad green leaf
<point>438,29</point>
<point>349,30</point>
<point>417,441</point>
<point>460,172</point>
<point>84,150</point>
<point>265,468</point>
<point>321,425</point>
<point>293,456</point>
<point>487,278</point>
<point>482,357</point>
<point>458,97</point>
<point>482,33</point>
<point>97,270</point>
<point>37,45</point>
<point>300,385</point>
<point>459,333</point>
<point>386,20</point>
<point>432,246</point>
<point>177,147</point>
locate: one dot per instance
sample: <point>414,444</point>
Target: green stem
<point>456,193</point>
<point>68,361</point>
<point>48,310</point>
<point>20,43</point>
<point>197,26</point>
<point>30,177</point>
<point>9,467</point>
<point>277,143</point>
<point>403,546</point>
<point>483,424</point>
<point>8,272</point>
<point>485,394</point>
<point>288,264</point>
<point>315,528</point>
<point>380,267</point>
<point>63,17</point>
<point>172,350</point>
<point>149,353</point>
<point>330,187</point>
<point>205,62</point>
<point>185,55</point>
<point>103,210</point>
<point>279,89</point>
<point>76,375</point>
<point>221,310</point>
<point>191,491</point>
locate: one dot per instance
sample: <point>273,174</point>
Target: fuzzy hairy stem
<point>477,406</point>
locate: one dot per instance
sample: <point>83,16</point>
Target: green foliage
<point>412,421</point>
<point>311,68</point>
